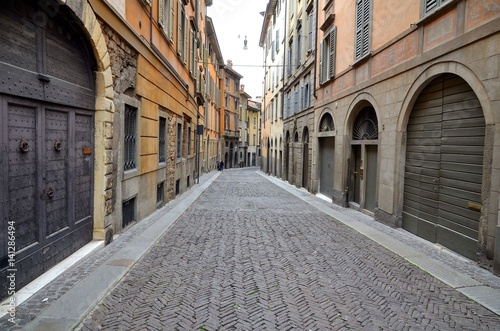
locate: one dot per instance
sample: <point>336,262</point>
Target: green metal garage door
<point>444,165</point>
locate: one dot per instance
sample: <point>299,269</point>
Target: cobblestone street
<point>248,255</point>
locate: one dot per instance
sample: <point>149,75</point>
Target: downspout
<point>316,49</point>
<point>283,167</point>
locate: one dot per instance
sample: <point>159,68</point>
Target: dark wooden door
<point>47,183</point>
<point>46,123</point>
<point>327,155</point>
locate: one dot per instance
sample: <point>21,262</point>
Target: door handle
<point>435,184</point>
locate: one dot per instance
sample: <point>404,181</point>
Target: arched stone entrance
<point>444,165</point>
<point>363,160</point>
<point>54,109</point>
<point>305,158</point>
<point>326,142</point>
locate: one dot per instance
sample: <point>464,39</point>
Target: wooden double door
<point>444,165</point>
<point>47,103</point>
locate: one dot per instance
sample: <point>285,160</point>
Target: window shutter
<point>296,100</point>
<point>359,29</point>
<point>171,20</point>
<point>302,97</point>
<point>321,46</point>
<point>186,36</point>
<point>333,38</point>
<point>179,29</point>
<point>277,41</point>
<point>310,31</point>
<point>272,51</point>
<point>161,13</point>
<point>430,5</point>
<point>366,26</point>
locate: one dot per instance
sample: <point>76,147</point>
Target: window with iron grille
<point>179,140</point>
<point>128,212</point>
<point>159,194</point>
<point>430,5</point>
<point>161,139</point>
<point>130,138</point>
<point>189,141</point>
<point>363,18</point>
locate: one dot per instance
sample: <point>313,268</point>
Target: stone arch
<point>489,180</point>
<point>361,101</point>
<point>104,109</point>
<point>432,72</point>
<point>326,122</point>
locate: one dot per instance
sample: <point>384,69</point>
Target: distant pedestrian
<point>221,165</point>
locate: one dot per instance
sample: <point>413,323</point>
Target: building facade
<point>254,122</point>
<point>213,140</point>
<point>272,41</point>
<point>405,117</point>
<point>229,118</point>
<point>109,110</point>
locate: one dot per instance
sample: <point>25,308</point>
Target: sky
<point>233,20</point>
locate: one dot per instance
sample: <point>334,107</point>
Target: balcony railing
<point>231,134</point>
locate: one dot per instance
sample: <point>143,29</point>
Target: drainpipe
<point>284,75</point>
<point>316,49</point>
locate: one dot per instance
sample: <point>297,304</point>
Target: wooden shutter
<point>366,27</point>
<point>277,41</point>
<point>310,30</point>
<point>186,36</point>
<point>331,52</point>
<point>321,47</point>
<point>430,5</point>
<point>180,36</point>
<point>171,19</point>
<point>161,13</point>
<point>359,30</point>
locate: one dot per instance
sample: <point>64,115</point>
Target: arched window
<point>366,125</point>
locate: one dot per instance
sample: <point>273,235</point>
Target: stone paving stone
<point>248,255</point>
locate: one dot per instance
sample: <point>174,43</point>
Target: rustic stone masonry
<point>123,60</point>
<point>171,152</point>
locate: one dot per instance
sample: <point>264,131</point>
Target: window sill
<point>127,174</point>
<point>362,60</point>
<point>436,12</point>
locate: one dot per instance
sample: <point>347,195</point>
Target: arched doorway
<point>268,162</point>
<point>295,162</point>
<point>287,155</point>
<point>47,111</point>
<point>363,161</point>
<point>444,165</point>
<point>229,164</point>
<point>280,168</point>
<point>326,137</point>
<point>305,158</point>
<point>276,172</point>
